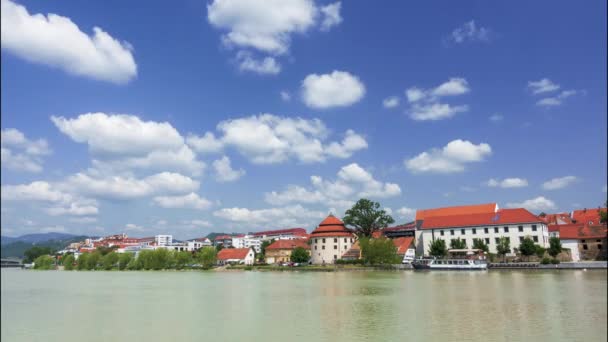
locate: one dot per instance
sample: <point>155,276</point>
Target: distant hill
<point>212,236</point>
<point>35,238</point>
<point>17,248</point>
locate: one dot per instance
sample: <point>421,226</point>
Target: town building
<point>281,234</point>
<point>330,240</point>
<point>486,222</point>
<point>163,240</point>
<point>280,250</point>
<point>247,241</point>
<point>236,256</point>
<point>224,240</point>
<point>406,249</point>
<point>584,241</point>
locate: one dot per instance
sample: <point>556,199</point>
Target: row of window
<point>497,240</point>
<point>335,240</point>
<point>323,247</point>
<point>487,230</point>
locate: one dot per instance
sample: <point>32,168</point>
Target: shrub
<point>555,261</point>
<point>248,268</point>
<point>350,262</point>
<point>44,262</point>
<point>545,261</point>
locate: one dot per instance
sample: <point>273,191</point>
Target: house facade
<point>236,256</point>
<point>585,242</point>
<point>330,240</point>
<point>280,250</point>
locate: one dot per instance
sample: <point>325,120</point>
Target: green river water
<point>304,306</point>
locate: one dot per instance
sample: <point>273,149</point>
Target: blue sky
<point>235,116</point>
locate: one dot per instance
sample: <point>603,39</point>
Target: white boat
<point>458,259</point>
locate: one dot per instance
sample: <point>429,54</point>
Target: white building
<point>247,241</point>
<point>329,241</point>
<point>163,240</point>
<point>236,256</point>
<point>513,224</point>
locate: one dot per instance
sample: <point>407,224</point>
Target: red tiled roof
<point>376,234</point>
<point>232,253</point>
<point>294,231</point>
<point>458,210</point>
<point>582,231</point>
<point>222,237</point>
<point>288,244</point>
<point>503,216</point>
<point>403,243</point>
<point>406,226</point>
<point>588,216</point>
<point>559,218</point>
<point>331,226</point>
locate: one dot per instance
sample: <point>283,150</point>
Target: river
<point>304,306</point>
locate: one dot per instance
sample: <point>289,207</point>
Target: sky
<point>193,117</point>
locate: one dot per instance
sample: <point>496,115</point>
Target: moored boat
<point>458,259</point>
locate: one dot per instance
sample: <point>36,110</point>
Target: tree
<point>124,259</point>
<point>109,260</point>
<point>219,247</point>
<point>206,256</point>
<point>527,247</point>
<point>82,261</point>
<point>378,251</point>
<point>93,260</point>
<point>503,247</point>
<point>555,247</point>
<point>34,252</point>
<point>299,254</point>
<point>438,248</point>
<point>542,214</point>
<point>480,244</point>
<point>367,217</point>
<point>540,251</point>
<point>182,258</point>
<point>604,214</point>
<point>104,250</point>
<point>68,262</point>
<point>44,262</point>
<point>265,244</point>
<point>458,244</point>
<point>134,264</point>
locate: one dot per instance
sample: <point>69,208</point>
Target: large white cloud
<point>507,183</point>
<point>559,183</point>
<point>224,171</point>
<point>189,201</point>
<point>451,158</point>
<point>20,153</point>
<point>338,89</point>
<point>57,41</point>
<point>406,213</point>
<point>267,139</point>
<point>125,142</point>
<point>536,204</point>
<point>425,103</point>
<point>281,217</point>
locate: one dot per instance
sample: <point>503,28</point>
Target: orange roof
<point>458,210</point>
<point>587,216</point>
<point>559,218</point>
<point>503,216</point>
<point>403,243</point>
<point>582,231</point>
<point>293,231</point>
<point>232,253</point>
<point>288,244</point>
<point>377,234</point>
<point>331,226</point>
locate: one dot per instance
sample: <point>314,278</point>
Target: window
<point>506,229</point>
<point>462,232</point>
<point>598,240</point>
<point>585,247</point>
<point>521,239</point>
<point>487,241</point>
<point>351,240</point>
<point>533,227</point>
<point>485,230</point>
<point>535,238</point>
<point>335,239</point>
<point>323,247</point>
<point>452,241</point>
<point>599,246</point>
<point>344,240</point>
<point>474,231</point>
<point>441,232</point>
<point>315,248</point>
<point>520,229</point>
<point>335,257</point>
<point>497,240</point>
<point>583,241</point>
<point>451,231</point>
<point>323,240</point>
<point>495,229</point>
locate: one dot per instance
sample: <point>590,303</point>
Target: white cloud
<point>74,209</point>
<point>496,118</point>
<point>285,96</point>
<point>35,191</point>
<point>125,142</point>
<point>205,144</point>
<point>451,158</point>
<point>559,183</point>
<point>197,223</point>
<point>391,102</point>
<point>52,229</point>
<point>331,16</point>
<point>83,219</point>
<point>189,201</point>
<point>56,41</point>
<point>539,203</point>
<point>469,32</point>
<point>288,216</point>
<point>406,213</point>
<point>224,171</point>
<point>556,100</point>
<point>425,103</point>
<point>507,183</point>
<point>338,89</point>
<point>20,153</point>
<point>268,139</point>
<point>133,227</point>
<point>265,66</point>
<point>544,85</point>
<point>352,179</point>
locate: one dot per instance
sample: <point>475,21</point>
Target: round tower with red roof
<point>330,240</point>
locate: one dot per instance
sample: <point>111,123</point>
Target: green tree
<point>44,262</point>
<point>93,260</point>
<point>458,244</point>
<point>367,217</point>
<point>503,247</point>
<point>438,248</point>
<point>124,259</point>
<point>540,251</point>
<point>68,262</point>
<point>206,256</point>
<point>542,214</point>
<point>378,251</point>
<point>299,254</point>
<point>104,250</point>
<point>34,252</point>
<point>182,258</point>
<point>219,247</point>
<point>83,261</point>
<point>109,260</point>
<point>262,254</point>
<point>555,247</point>
<point>527,247</point>
<point>480,244</point>
<point>603,214</point>
<point>134,264</point>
